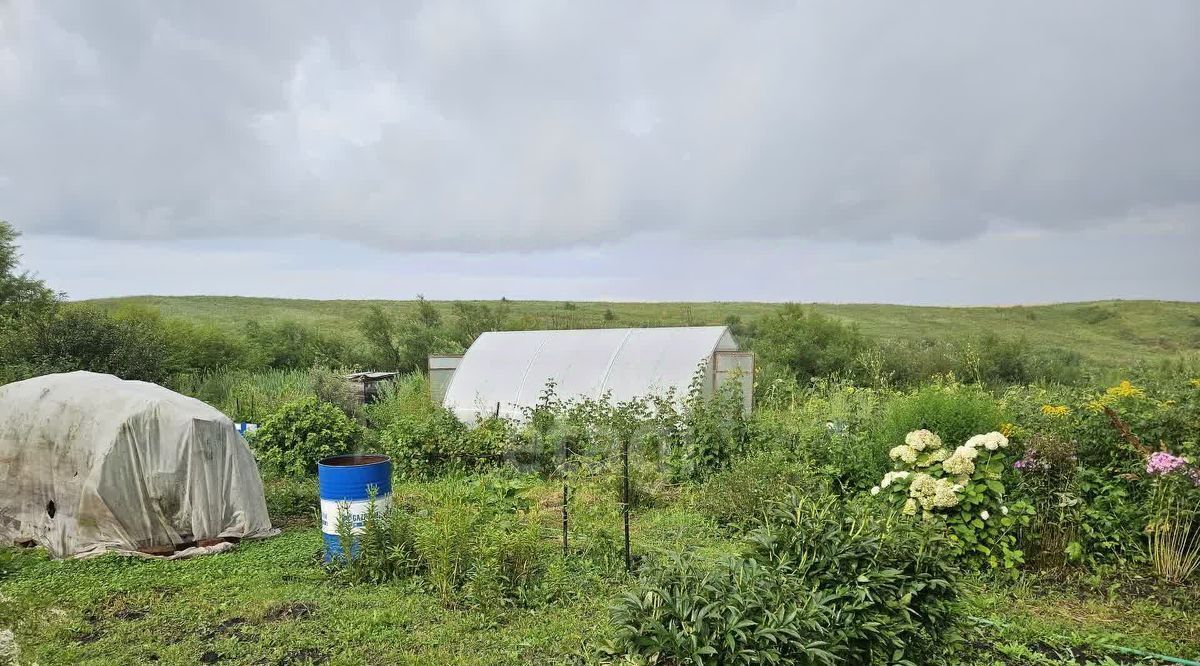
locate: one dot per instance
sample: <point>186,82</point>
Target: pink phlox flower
<point>1162,463</point>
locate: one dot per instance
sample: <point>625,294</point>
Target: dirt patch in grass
<point>293,611</point>
<point>305,656</point>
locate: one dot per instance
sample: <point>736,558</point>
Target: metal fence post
<point>625,500</point>
<point>566,496</point>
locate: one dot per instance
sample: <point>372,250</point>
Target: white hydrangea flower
<point>875,490</point>
<point>1004,510</point>
<point>919,440</point>
<point>976,442</point>
<point>903,453</point>
<point>984,514</point>
<point>966,452</point>
<point>944,495</point>
<point>910,507</point>
<point>958,464</point>
<point>996,440</point>
<point>932,493</point>
<point>892,477</point>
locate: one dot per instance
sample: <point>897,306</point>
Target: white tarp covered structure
<point>509,370</point>
<point>91,463</point>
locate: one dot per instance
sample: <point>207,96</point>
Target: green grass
<point>270,602</point>
<point>1103,332</point>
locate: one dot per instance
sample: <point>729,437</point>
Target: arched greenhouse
<point>505,372</point>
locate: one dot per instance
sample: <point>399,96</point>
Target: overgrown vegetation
<point>964,500</point>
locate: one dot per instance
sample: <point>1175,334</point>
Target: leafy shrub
<point>87,338</point>
<point>740,495</point>
<point>830,427</point>
<point>292,440</point>
<point>382,549</point>
<point>952,410</point>
<point>437,443</point>
<point>892,584</point>
<point>407,396</point>
<point>962,488</point>
<point>1046,476</point>
<point>332,387</point>
<point>822,582</point>
<point>732,612</point>
<point>807,343</point>
<point>714,430</point>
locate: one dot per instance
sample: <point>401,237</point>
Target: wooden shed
<point>367,384</point>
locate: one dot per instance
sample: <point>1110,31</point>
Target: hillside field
<point>1110,333</point>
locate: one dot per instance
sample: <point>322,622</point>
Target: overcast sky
<point>914,152</point>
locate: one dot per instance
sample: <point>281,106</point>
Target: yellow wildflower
<point>1195,382</point>
<point>1056,411</point>
<point>1096,405</point>
<point>1125,390</point>
<point>1008,429</point>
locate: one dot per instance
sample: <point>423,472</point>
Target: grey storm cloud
<point>481,126</point>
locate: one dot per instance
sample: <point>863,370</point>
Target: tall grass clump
<point>248,396</point>
<point>475,543</point>
<point>955,411</point>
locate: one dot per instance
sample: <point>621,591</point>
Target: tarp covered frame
<point>91,463</point>
<point>508,371</point>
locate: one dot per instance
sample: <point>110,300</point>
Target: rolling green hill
<point>1104,332</point>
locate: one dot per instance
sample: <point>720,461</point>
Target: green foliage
<point>86,338</point>
<point>289,344</point>
<point>714,430</point>
<point>291,501</point>
<point>248,396</point>
<point>954,411</point>
<point>961,489</point>
<point>892,584</point>
<point>822,583</point>
<point>473,543</point>
<point>807,343</point>
<point>734,612</point>
<point>830,426</point>
<point>332,387</point>
<point>406,396</point>
<point>404,344</point>
<point>292,440</point>
<point>434,443</point>
<point>739,496</point>
<point>24,299</point>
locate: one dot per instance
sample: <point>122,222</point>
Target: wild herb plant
<point>1174,526</point>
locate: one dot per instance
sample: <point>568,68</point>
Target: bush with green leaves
<point>961,489</point>
<point>735,611</point>
<point>830,426</point>
<point>713,430</point>
<point>739,496</point>
<point>821,582</point>
<point>292,440</point>
<point>436,443</point>
<point>892,584</point>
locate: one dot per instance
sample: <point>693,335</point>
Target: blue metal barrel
<point>345,483</point>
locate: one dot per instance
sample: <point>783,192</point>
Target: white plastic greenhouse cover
<point>90,463</point>
<point>512,368</point>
